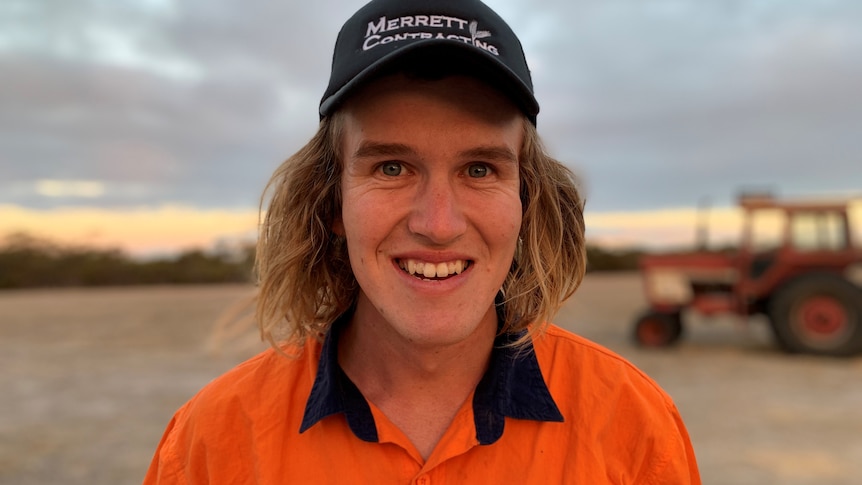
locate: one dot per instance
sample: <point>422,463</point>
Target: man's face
<point>431,207</point>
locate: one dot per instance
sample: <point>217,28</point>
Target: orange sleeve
<point>679,466</point>
<point>164,468</point>
<point>688,461</point>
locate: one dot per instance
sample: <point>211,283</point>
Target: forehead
<point>447,117</point>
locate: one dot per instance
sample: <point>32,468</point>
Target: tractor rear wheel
<point>818,314</point>
<point>658,329</point>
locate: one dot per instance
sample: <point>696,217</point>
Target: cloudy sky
<point>134,122</point>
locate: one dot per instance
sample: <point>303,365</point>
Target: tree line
<point>30,262</point>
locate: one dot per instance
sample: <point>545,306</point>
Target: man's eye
<point>391,169</point>
<point>477,170</point>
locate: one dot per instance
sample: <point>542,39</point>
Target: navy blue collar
<point>512,387</point>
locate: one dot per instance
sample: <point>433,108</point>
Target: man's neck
<point>420,389</point>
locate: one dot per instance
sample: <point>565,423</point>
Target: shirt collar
<point>512,387</point>
<point>333,392</point>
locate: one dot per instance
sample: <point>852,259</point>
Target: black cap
<point>434,34</point>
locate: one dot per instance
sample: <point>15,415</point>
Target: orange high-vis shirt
<point>561,411</point>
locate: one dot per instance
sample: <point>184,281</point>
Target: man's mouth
<point>422,269</point>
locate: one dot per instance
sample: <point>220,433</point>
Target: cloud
<point>197,103</point>
<point>662,103</point>
<point>88,189</point>
<point>654,104</point>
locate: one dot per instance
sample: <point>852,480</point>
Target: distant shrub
<point>27,262</point>
<point>600,259</point>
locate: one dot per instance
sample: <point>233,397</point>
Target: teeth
<point>432,270</point>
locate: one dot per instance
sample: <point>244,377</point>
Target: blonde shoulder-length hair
<point>304,274</point>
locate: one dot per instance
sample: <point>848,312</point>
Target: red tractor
<point>806,278</point>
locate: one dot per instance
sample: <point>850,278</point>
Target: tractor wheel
<point>818,314</point>
<point>657,329</point>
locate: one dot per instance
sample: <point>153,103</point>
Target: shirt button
<point>423,480</point>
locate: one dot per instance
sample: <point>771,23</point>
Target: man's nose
<point>437,212</point>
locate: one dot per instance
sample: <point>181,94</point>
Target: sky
<point>154,124</point>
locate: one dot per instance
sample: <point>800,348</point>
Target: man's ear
<point>338,226</point>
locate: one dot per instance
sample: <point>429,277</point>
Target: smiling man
<point>411,256</point>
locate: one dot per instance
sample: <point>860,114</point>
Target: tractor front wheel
<point>818,314</point>
<point>658,329</point>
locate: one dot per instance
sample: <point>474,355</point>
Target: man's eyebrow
<point>369,149</point>
<point>491,153</point>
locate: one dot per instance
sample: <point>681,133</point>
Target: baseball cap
<point>463,36</point>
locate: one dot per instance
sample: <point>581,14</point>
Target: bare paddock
<point>90,377</point>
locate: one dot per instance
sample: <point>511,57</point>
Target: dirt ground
<point>90,378</point>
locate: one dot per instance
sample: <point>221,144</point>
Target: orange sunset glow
<point>168,229</point>
<point>139,232</point>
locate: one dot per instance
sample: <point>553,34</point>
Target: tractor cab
<point>785,239</point>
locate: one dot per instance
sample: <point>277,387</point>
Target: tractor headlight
<point>669,287</point>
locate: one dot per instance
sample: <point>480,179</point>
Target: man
<point>410,256</point>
